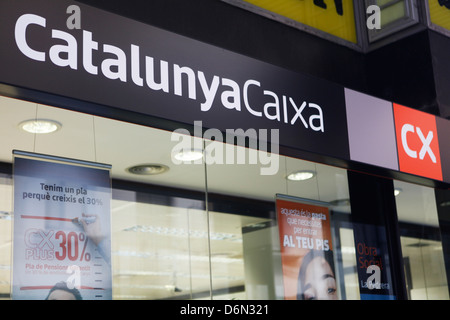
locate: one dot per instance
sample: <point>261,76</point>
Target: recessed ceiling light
<point>301,175</point>
<point>397,191</point>
<point>148,169</point>
<point>40,126</point>
<point>189,155</point>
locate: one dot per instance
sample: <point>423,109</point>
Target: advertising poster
<point>306,249</point>
<point>374,275</point>
<point>62,232</point>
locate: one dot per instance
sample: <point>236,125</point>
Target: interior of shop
<point>192,230</point>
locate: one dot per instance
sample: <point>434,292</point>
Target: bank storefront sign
<point>122,63</point>
<point>229,93</point>
<point>76,51</point>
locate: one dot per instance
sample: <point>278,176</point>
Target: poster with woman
<point>306,249</point>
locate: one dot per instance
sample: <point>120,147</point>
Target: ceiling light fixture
<point>148,169</point>
<point>40,126</point>
<point>189,155</point>
<point>397,191</point>
<point>301,175</point>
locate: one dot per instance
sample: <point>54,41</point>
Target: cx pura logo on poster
<point>335,17</point>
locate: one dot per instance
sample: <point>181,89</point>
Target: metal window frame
<point>411,18</point>
<point>433,26</point>
<point>366,40</point>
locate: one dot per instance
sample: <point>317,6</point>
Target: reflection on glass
<point>5,234</point>
<point>349,264</point>
<point>421,244</point>
<point>393,13</point>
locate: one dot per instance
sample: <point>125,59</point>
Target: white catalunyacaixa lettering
<point>183,79</point>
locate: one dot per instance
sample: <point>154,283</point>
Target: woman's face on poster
<point>320,283</point>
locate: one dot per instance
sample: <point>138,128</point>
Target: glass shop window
<point>421,242</point>
<point>266,265</point>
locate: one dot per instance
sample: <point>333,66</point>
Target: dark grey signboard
<point>88,54</point>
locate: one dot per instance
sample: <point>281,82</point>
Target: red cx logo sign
<point>417,142</point>
<point>425,149</point>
